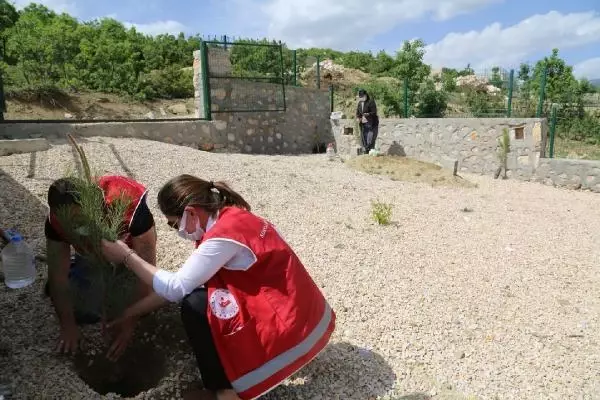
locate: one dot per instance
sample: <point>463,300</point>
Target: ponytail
<point>230,198</point>
<point>187,190</point>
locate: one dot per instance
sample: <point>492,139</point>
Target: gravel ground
<point>487,292</point>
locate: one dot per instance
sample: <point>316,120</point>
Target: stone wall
<point>296,131</point>
<point>473,142</point>
<point>570,174</point>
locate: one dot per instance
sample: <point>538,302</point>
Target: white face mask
<point>194,236</point>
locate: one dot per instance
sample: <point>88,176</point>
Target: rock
<point>163,112</point>
<point>69,116</point>
<point>149,115</point>
<point>178,109</point>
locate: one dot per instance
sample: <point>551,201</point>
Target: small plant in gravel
<point>381,212</point>
<point>503,150</point>
<point>86,225</point>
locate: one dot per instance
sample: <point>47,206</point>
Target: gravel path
<point>489,292</point>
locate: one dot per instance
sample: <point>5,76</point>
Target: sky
<point>482,33</point>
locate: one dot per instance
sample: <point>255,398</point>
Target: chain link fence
<point>242,76</point>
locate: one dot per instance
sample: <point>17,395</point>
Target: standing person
<point>366,115</point>
<point>252,313</point>
<point>76,296</point>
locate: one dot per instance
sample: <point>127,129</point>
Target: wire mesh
<point>577,129</point>
<point>245,76</point>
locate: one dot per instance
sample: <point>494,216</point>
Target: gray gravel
<point>501,302</point>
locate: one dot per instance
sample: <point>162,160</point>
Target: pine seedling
<point>86,225</point>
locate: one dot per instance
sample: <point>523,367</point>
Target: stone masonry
<point>474,144</point>
<point>296,131</point>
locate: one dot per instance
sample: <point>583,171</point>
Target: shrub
<point>381,212</point>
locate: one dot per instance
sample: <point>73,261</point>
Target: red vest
<point>113,186</point>
<point>270,320</point>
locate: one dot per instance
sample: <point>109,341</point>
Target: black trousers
<point>195,322</point>
<point>369,135</point>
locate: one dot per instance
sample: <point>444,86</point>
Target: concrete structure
<point>296,131</point>
<point>14,146</point>
<point>571,174</point>
<point>473,143</point>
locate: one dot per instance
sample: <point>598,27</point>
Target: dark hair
<point>187,190</point>
<point>63,192</point>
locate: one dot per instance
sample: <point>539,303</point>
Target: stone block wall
<point>473,142</point>
<point>296,131</point>
<point>570,174</point>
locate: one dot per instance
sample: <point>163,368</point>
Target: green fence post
<point>405,97</point>
<point>282,74</point>
<point>511,81</point>
<point>2,99</point>
<point>205,81</point>
<point>540,107</point>
<point>552,131</point>
<point>294,66</point>
<point>318,72</point>
<point>331,105</point>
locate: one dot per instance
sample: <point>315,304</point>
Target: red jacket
<point>113,186</point>
<point>270,320</point>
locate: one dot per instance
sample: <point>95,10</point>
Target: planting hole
<point>139,369</point>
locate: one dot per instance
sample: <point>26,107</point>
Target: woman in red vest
<point>251,311</point>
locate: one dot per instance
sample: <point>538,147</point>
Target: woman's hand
<point>114,252</point>
<point>124,328</point>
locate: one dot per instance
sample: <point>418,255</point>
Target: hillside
<point>93,106</point>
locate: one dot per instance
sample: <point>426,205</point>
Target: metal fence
<point>574,129</point>
<point>242,76</point>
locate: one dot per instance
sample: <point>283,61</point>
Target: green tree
<point>448,79</point>
<point>8,18</point>
<point>432,103</point>
<point>382,64</point>
<point>496,78</point>
<point>358,60</point>
<point>409,65</point>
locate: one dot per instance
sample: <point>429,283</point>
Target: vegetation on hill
<point>48,54</point>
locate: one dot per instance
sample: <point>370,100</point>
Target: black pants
<point>195,322</point>
<point>369,133</point>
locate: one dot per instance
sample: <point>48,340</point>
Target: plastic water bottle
<point>330,152</point>
<point>18,263</point>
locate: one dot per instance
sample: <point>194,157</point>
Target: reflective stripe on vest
<point>286,358</point>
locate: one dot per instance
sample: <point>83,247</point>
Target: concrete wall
<point>296,131</point>
<point>471,141</point>
<point>570,174</point>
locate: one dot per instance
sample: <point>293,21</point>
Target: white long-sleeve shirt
<point>204,262</point>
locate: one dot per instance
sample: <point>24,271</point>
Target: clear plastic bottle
<point>330,152</point>
<point>18,263</point>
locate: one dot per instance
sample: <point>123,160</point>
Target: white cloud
<point>348,24</point>
<point>158,27</point>
<point>507,46</point>
<point>58,6</point>
<point>588,69</point>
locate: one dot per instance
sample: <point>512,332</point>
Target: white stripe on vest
<point>286,358</point>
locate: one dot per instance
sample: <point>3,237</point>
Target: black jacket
<point>370,108</point>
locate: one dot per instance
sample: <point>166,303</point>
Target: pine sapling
<point>86,225</point>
